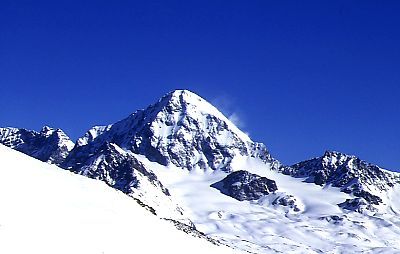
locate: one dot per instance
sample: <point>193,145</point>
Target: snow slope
<point>45,209</point>
<point>261,227</point>
<point>365,181</point>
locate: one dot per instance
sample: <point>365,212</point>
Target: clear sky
<point>300,76</point>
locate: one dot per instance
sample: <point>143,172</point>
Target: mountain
<point>258,209</point>
<point>184,161</point>
<point>180,129</point>
<point>45,209</point>
<point>49,145</point>
<point>363,180</point>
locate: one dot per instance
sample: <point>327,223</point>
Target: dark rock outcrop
<point>243,185</point>
<point>288,201</point>
<point>357,205</point>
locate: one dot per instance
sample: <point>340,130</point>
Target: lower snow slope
<point>44,209</point>
<point>260,226</point>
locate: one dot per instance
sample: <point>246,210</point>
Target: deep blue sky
<point>303,76</point>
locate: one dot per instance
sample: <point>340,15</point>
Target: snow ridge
<point>349,173</point>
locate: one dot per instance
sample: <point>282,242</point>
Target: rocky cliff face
<point>48,145</point>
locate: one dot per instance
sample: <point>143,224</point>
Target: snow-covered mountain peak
<point>181,97</point>
<point>334,158</point>
<point>180,128</point>
<point>337,154</point>
<point>331,153</point>
<point>59,135</point>
<point>46,130</point>
<point>181,104</point>
<point>349,173</point>
<point>50,145</point>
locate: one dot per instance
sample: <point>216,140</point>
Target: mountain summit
<point>181,129</point>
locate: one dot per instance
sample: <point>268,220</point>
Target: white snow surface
<point>201,106</point>
<point>45,209</point>
<point>259,227</point>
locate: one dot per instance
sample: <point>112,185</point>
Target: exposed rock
<point>289,201</point>
<point>347,172</point>
<point>48,145</point>
<point>118,169</point>
<point>335,219</point>
<point>243,185</point>
<point>358,205</point>
<point>121,170</point>
<point>192,230</point>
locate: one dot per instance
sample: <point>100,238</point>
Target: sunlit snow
<point>45,209</point>
<point>257,226</point>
